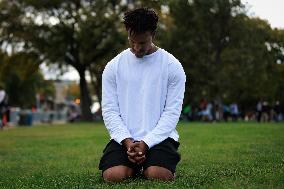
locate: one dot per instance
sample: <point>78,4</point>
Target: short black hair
<point>141,20</point>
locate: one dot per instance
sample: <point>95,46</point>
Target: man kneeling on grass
<point>142,95</point>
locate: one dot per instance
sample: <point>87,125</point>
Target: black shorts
<point>164,154</point>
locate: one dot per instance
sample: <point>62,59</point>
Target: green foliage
<point>76,33</point>
<point>199,40</point>
<point>223,155</point>
<point>22,78</point>
<point>247,62</point>
<point>226,55</point>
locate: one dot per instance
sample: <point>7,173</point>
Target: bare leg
<point>158,173</point>
<point>117,173</point>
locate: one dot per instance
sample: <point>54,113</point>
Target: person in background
<point>226,112</point>
<point>277,112</point>
<point>234,111</point>
<point>187,112</point>
<point>259,111</point>
<point>207,113</point>
<point>265,111</point>
<point>3,106</point>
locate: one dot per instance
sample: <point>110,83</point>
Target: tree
<point>248,65</point>
<point>77,33</point>
<point>199,40</point>
<point>22,79</point>
<point>121,40</point>
<point>226,54</point>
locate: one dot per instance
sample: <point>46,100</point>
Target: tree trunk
<point>99,89</point>
<point>85,98</point>
<point>96,80</point>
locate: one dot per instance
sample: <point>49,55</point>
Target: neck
<point>153,49</point>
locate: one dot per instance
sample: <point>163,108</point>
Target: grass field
<point>221,155</point>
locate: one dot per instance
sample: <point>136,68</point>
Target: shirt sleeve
<point>170,116</point>
<point>110,109</point>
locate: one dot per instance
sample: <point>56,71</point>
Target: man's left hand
<point>140,148</point>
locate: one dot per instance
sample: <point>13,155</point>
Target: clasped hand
<point>136,151</point>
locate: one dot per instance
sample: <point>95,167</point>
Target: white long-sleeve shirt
<point>142,97</point>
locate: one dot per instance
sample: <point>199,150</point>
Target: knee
<point>117,173</point>
<point>158,173</point>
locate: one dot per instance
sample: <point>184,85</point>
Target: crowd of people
<point>217,111</point>
<point>207,111</point>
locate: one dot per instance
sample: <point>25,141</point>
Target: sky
<point>53,73</point>
<point>270,10</point>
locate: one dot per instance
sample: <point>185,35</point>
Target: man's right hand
<point>135,153</point>
<point>127,143</point>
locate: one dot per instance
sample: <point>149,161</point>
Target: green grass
<point>221,155</point>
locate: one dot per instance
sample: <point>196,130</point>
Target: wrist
<point>145,145</point>
<point>126,142</point>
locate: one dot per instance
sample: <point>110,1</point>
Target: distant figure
<point>281,116</point>
<point>187,112</point>
<point>3,106</point>
<point>234,111</point>
<point>265,111</point>
<point>217,110</point>
<point>202,108</point>
<point>226,112</point>
<point>203,104</point>
<point>73,115</point>
<point>259,111</point>
<point>277,112</point>
<point>207,113</point>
